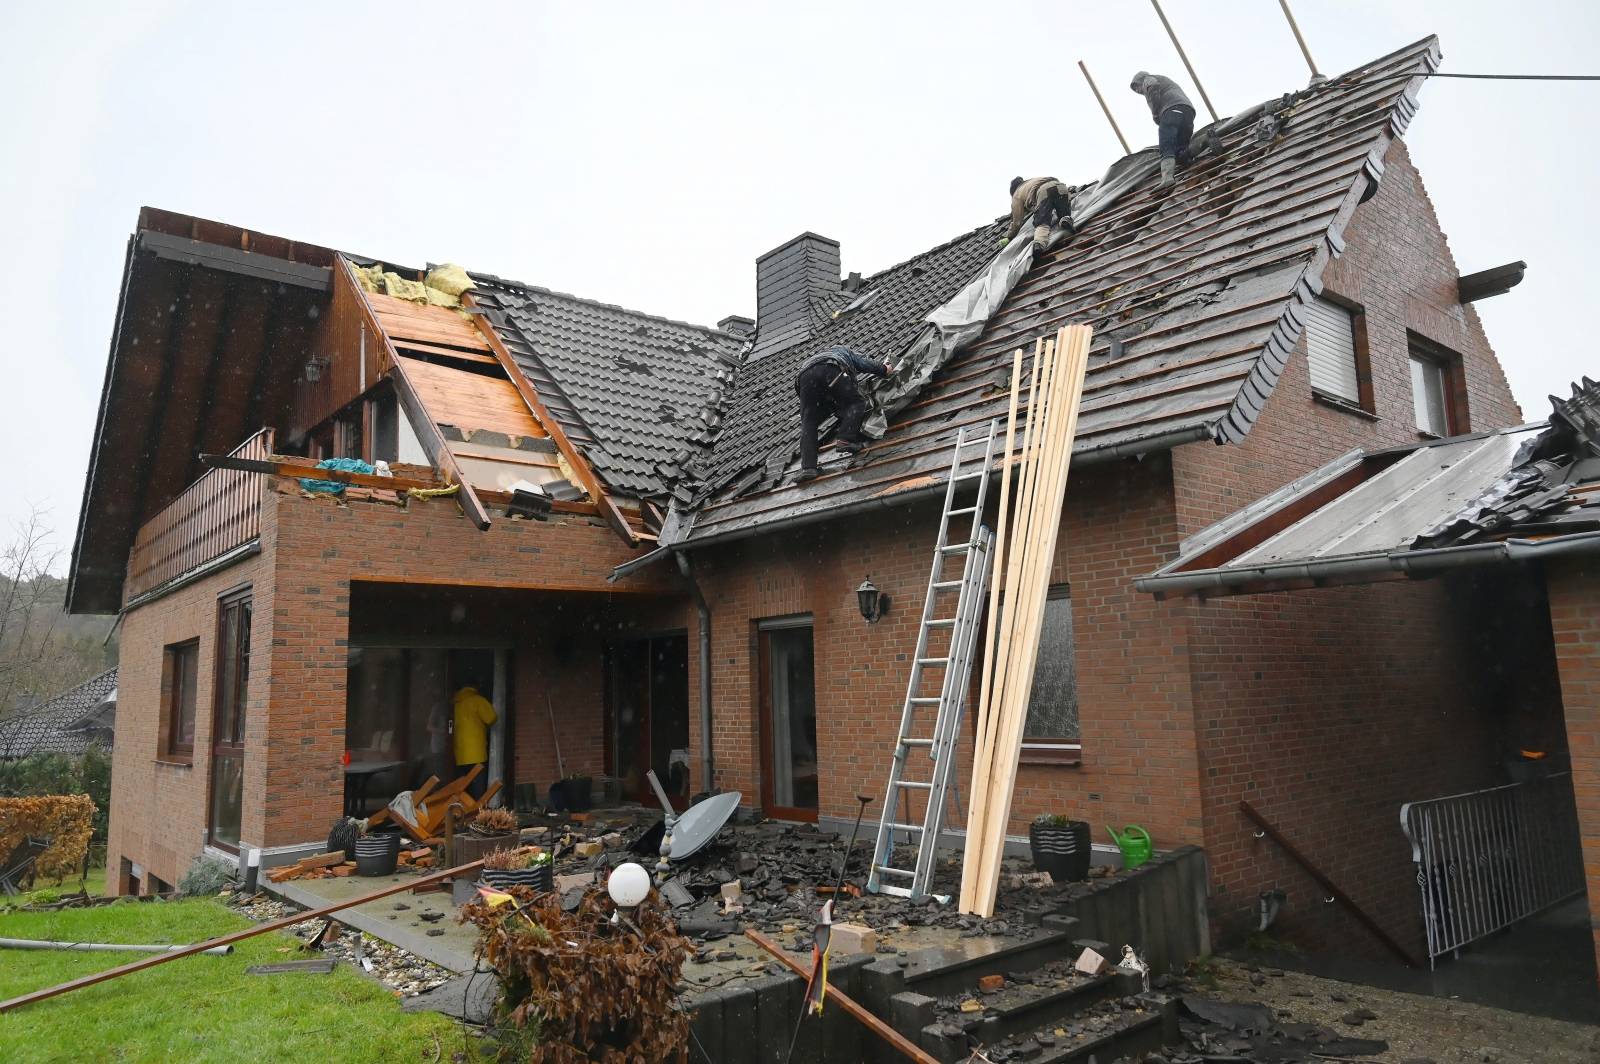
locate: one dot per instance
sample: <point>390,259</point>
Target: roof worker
<point>827,384</point>
<point>1046,200</point>
<point>1174,118</point>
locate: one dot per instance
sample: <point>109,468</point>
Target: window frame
<point>170,748</point>
<point>1365,403</point>
<point>1053,750</point>
<point>1420,349</point>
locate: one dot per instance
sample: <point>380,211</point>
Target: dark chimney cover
<point>737,325</point>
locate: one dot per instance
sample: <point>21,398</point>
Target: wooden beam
<point>846,1002</point>
<point>427,431</point>
<point>278,466</point>
<point>237,936</point>
<point>580,464</point>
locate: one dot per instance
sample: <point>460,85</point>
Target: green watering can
<point>1135,844</point>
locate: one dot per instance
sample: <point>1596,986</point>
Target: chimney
<point>735,325</point>
<point>788,279</point>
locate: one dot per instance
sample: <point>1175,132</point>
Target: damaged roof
<point>66,724</point>
<point>636,393</point>
<point>1197,295</point>
<point>1507,495</point>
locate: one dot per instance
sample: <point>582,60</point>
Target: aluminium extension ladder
<point>956,603</point>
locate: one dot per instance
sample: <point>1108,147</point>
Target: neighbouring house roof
<point>66,724</point>
<point>1507,495</point>
<point>1198,297</point>
<point>636,393</point>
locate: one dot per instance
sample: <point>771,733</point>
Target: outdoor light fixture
<point>628,885</point>
<point>873,603</point>
<point>314,367</point>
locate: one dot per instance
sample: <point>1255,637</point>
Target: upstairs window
<point>1433,390</point>
<point>1335,350</point>
<point>180,664</point>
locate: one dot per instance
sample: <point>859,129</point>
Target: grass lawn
<point>45,890</point>
<point>197,1008</point>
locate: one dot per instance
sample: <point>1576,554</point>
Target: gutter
<point>1409,562</point>
<point>707,760</point>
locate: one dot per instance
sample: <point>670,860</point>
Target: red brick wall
<point>1327,709</point>
<point>158,808</point>
<point>1575,618</point>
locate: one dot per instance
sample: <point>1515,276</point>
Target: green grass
<point>46,890</point>
<point>196,1008</point>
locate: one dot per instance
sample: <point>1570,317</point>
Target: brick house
<point>1263,317</point>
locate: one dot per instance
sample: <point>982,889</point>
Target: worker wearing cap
<point>473,715</point>
<point>826,384</point>
<point>1045,200</point>
<point>1174,118</point>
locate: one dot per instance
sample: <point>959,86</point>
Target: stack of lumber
<point>431,802</point>
<point>321,866</point>
<point>1025,547</point>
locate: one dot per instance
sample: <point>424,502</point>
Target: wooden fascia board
<point>428,434</point>
<point>580,465</point>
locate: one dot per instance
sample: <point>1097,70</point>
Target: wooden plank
<point>277,466</point>
<point>237,936</point>
<point>404,319</point>
<point>417,347</point>
<point>428,434</point>
<point>470,400</point>
<point>846,1002</point>
<point>580,465</point>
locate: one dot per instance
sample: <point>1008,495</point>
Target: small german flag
<point>817,985</point>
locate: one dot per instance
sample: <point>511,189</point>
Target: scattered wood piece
<point>589,849</point>
<point>305,865</point>
<point>319,966</point>
<point>852,938</point>
<point>991,983</point>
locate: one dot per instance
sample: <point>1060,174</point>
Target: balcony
<point>216,514</point>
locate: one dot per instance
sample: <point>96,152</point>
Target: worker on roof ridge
<point>827,383</point>
<point>1173,115</point>
<point>1047,200</point>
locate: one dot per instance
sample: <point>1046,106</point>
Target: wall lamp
<point>314,367</point>
<point>873,603</point>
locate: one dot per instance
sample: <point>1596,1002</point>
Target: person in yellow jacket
<point>473,715</point>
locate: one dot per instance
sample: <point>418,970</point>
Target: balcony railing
<point>214,515</point>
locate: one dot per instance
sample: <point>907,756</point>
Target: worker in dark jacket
<point>1046,201</point>
<point>1174,118</point>
<point>827,384</point>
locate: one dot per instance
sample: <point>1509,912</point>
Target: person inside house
<point>1174,118</point>
<point>473,716</point>
<point>1045,200</point>
<point>827,384</point>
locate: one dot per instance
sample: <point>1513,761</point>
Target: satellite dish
<point>699,824</point>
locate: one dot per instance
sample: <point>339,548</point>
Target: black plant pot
<point>540,879</point>
<point>377,853</point>
<point>1062,850</point>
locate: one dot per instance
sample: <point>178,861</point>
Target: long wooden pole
<point>1294,27</point>
<point>1072,344</point>
<point>846,1002</point>
<point>228,940</point>
<point>1162,15</point>
<point>1114,127</point>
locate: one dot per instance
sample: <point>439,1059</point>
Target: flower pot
<point>541,879</point>
<point>1062,850</point>
<point>471,846</point>
<point>377,853</point>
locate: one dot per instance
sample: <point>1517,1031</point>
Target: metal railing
<point>1487,859</point>
<point>218,512</point>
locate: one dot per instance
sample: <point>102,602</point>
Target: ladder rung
<point>886,870</point>
<point>916,742</point>
<point>924,700</point>
<point>963,510</point>
<point>918,784</point>
<point>933,661</point>
<point>899,892</point>
<point>906,827</point>
<point>942,622</point>
<point>956,548</point>
<point>971,476</point>
<point>947,583</point>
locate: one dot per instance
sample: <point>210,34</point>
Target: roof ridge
<point>506,282</point>
<point>925,253</point>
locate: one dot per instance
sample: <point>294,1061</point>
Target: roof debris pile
<point>1197,295</point>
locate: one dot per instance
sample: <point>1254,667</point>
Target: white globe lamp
<point>628,885</point>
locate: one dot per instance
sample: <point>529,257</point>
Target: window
<point>1433,390</point>
<point>1051,732</point>
<point>1334,351</point>
<point>180,665</point>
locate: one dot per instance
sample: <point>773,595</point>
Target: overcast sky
<point>644,154</point>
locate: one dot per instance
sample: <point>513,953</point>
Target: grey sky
<point>644,154</point>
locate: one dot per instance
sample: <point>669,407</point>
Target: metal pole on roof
<point>1294,28</point>
<point>1162,15</point>
<point>1096,90</point>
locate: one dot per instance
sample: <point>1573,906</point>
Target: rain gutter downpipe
<point>707,760</point>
